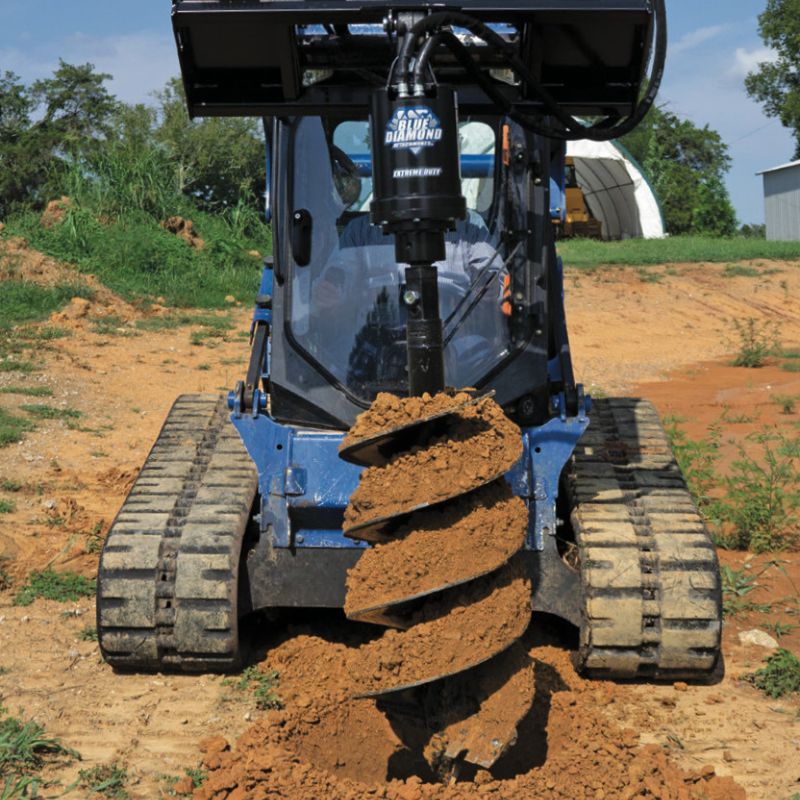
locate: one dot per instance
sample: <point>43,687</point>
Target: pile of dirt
<point>55,211</point>
<point>184,229</point>
<point>328,746</point>
<point>389,411</point>
<point>480,446</point>
<point>471,537</point>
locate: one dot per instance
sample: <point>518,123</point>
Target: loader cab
<point>339,321</point>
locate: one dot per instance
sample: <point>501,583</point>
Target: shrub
<point>780,676</point>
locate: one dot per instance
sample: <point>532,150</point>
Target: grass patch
<point>12,428</point>
<point>50,412</point>
<point>263,685</point>
<point>696,458</point>
<point>736,586</point>
<point>24,748</point>
<point>740,271</point>
<point>780,676</point>
<point>105,780</point>
<point>112,326</point>
<point>589,253</point>
<point>791,366</point>
<point>22,301</point>
<point>756,343</point>
<point>167,322</point>
<point>8,485</point>
<point>61,586</point>
<point>7,506</point>
<point>28,391</point>
<point>12,365</point>
<point>88,635</point>
<point>136,258</point>
<point>762,500</point>
<point>787,402</point>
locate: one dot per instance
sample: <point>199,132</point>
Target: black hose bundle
<point>561,124</point>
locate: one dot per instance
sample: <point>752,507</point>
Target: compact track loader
<point>409,442</point>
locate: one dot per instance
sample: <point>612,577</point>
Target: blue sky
<point>713,45</point>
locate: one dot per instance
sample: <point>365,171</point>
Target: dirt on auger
<point>442,574</point>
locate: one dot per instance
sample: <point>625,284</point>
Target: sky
<point>713,44</point>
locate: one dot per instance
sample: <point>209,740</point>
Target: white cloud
<point>696,37</point>
<point>140,62</point>
<point>745,61</point>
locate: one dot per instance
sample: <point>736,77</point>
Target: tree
<point>46,128</point>
<point>776,85</point>
<point>687,167</point>
<point>218,161</point>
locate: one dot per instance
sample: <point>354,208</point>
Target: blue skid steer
<point>415,155</point>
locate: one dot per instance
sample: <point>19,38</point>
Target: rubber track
<point>168,583</point>
<point>650,576</point>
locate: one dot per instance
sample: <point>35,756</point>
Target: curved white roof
<point>616,191</point>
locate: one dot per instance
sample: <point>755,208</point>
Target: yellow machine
<point>578,220</point>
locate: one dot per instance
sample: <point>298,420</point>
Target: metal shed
<point>782,202</point>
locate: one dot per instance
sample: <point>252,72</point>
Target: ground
<point>666,334</point>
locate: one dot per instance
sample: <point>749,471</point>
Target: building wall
<point>782,204</point>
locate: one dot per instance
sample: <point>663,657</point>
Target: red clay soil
<point>389,411</point>
<point>482,444</point>
<point>463,628</point>
<point>471,537</point>
<point>324,745</point>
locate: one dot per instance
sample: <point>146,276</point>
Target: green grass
<point>88,635</point>
<point>780,676</point>
<point>740,271</point>
<point>787,402</point>
<point>791,366</point>
<point>61,586</point>
<point>762,499</point>
<point>588,253</point>
<point>106,781</point>
<point>29,391</point>
<point>24,749</point>
<point>21,301</point>
<point>262,684</point>
<point>13,365</point>
<point>7,506</point>
<point>10,486</point>
<point>50,412</point>
<point>136,258</point>
<point>736,586</point>
<point>12,428</point>
<point>696,458</point>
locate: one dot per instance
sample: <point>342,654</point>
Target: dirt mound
<point>329,746</point>
<point>55,211</point>
<point>184,229</point>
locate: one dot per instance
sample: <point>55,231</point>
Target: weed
<point>7,506</point>
<point>8,485</point>
<point>165,323</point>
<point>736,585</point>
<point>197,776</point>
<point>756,343</point>
<point>12,428</point>
<point>204,367</point>
<point>791,366</point>
<point>780,629</point>
<point>787,402</point>
<point>23,746</point>
<point>780,676</point>
<point>60,586</point>
<point>648,276</point>
<point>88,635</point>
<point>50,412</point>
<point>740,271</point>
<point>735,419</point>
<point>30,391</point>
<point>105,780</point>
<point>98,454</point>
<point>761,500</point>
<point>262,684</point>
<point>696,459</point>
<point>5,580</point>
